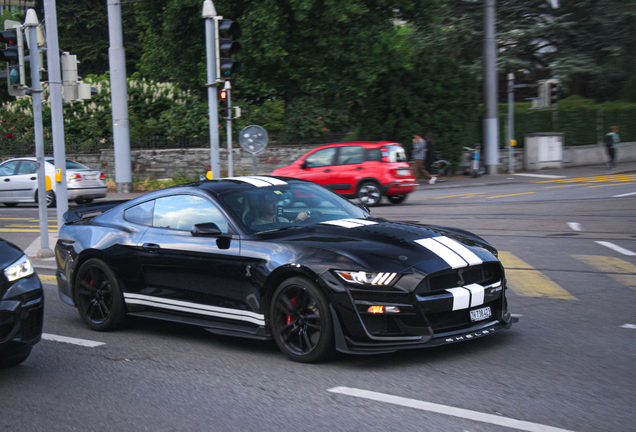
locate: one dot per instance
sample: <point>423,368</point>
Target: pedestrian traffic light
<point>555,93</point>
<point>223,105</point>
<point>226,46</point>
<point>13,55</point>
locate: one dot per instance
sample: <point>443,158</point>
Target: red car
<point>364,170</point>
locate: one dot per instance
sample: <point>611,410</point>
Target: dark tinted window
<point>350,155</point>
<point>182,212</point>
<point>140,214</point>
<point>321,158</point>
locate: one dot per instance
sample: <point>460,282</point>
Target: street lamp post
<point>209,12</point>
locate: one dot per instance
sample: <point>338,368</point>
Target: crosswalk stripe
<point>524,280</point>
<point>620,270</point>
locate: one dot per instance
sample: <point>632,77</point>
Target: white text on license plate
<point>480,314</point>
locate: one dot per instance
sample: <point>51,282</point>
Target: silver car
<point>18,182</point>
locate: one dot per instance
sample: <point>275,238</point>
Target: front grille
<point>456,320</point>
<point>483,274</point>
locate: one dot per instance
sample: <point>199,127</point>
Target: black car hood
<point>395,247</point>
<point>9,253</point>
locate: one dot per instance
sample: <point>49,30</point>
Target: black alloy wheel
<point>369,194</point>
<point>396,199</point>
<point>98,296</point>
<point>301,321</point>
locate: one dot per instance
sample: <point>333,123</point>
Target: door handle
<point>327,170</point>
<point>359,168</point>
<point>33,178</point>
<point>7,180</point>
<point>151,247</point>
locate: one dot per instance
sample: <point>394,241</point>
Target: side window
<point>350,155</point>
<point>182,212</point>
<point>28,167</point>
<point>374,155</point>
<point>140,214</point>
<point>8,168</point>
<point>321,158</point>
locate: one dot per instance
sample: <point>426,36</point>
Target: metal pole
<point>228,88</point>
<point>31,24</point>
<point>491,120</point>
<point>119,95</point>
<point>209,13</point>
<point>57,112</point>
<point>511,122</point>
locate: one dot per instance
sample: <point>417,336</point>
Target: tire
<point>84,200</point>
<point>444,170</point>
<point>396,199</point>
<point>98,296</point>
<point>14,357</point>
<point>10,204</point>
<point>369,194</point>
<point>50,198</point>
<point>301,322</point>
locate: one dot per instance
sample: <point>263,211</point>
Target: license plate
<point>404,172</point>
<point>480,314</point>
<point>90,176</point>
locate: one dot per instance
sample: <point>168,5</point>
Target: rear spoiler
<point>89,211</point>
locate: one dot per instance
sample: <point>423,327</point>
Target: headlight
<point>19,269</point>
<point>367,278</point>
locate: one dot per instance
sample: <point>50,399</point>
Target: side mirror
<point>207,229</point>
<point>304,165</point>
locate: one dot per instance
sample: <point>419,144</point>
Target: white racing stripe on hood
<point>459,249</point>
<point>349,223</point>
<point>445,253</point>
<point>271,180</point>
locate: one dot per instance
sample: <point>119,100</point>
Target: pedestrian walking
<point>611,144</point>
<point>419,157</point>
<point>430,156</point>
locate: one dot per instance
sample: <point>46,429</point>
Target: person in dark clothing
<point>430,155</point>
<point>611,143</point>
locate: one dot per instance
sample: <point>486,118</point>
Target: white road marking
<point>616,248</point>
<point>629,326</point>
<point>575,226</point>
<point>625,194</point>
<point>70,340</point>
<point>540,176</point>
<point>446,410</point>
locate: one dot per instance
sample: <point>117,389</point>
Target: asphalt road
<point>567,365</point>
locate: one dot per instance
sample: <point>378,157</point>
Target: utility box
<point>543,150</point>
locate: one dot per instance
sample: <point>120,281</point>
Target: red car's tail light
<point>78,177</point>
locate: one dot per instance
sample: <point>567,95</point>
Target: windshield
<point>288,206</point>
<point>70,165</point>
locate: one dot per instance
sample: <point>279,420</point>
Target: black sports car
<point>268,257</point>
<point>21,306</point>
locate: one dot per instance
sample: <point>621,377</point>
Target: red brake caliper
<point>289,318</point>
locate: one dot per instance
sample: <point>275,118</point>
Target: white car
<point>18,182</point>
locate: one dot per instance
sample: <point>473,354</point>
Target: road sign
<point>253,139</point>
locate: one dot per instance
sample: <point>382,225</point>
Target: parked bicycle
<point>440,168</point>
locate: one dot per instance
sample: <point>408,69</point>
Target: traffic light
<point>13,54</point>
<point>555,93</point>
<point>223,105</point>
<point>226,46</point>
